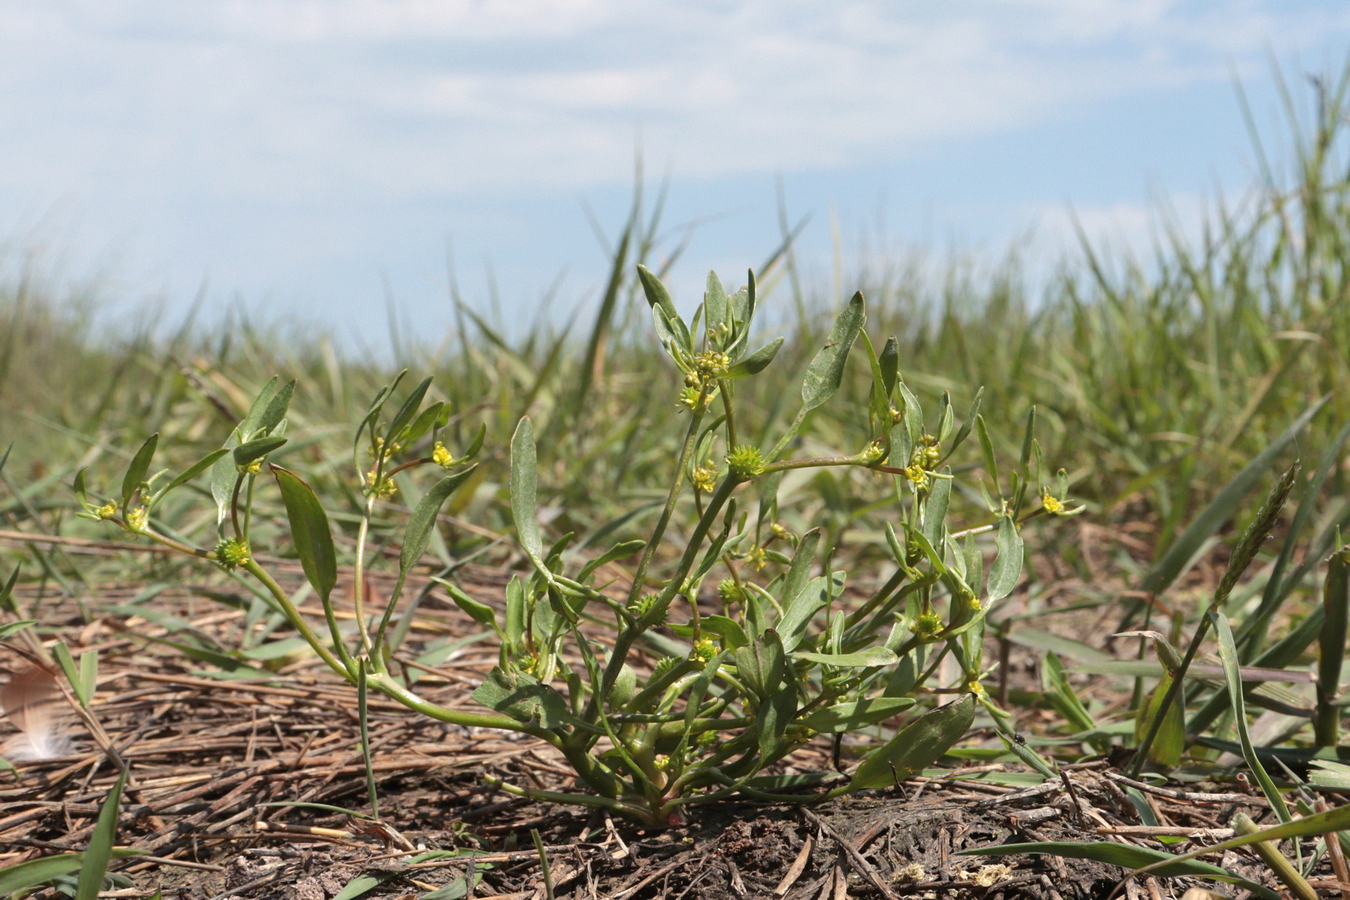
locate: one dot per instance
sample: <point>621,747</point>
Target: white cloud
<point>374,97</point>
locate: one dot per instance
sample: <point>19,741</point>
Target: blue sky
<point>300,157</point>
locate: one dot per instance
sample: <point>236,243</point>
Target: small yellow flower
<point>137,519</point>
<point>705,477</point>
<point>106,511</point>
<point>872,452</point>
<point>757,558</point>
<point>383,490</point>
<point>927,625</point>
<point>1052,504</point>
<point>441,456</point>
<point>711,363</point>
<point>704,650</point>
<point>917,476</point>
<point>254,468</point>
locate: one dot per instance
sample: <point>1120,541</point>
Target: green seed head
<point>745,462</point>
<point>231,554</point>
<point>730,591</point>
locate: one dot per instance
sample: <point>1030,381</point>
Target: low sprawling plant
<point>649,721</point>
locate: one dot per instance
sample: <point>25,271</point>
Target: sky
<point>316,161</point>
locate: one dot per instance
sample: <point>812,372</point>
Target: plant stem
<point>640,576</point>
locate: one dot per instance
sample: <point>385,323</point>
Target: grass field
<point>1172,389</point>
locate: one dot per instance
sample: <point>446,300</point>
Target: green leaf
<point>10,628</point>
<point>188,474</point>
<point>663,309</point>
<point>756,362</point>
<point>619,551</point>
<point>761,664</point>
<point>88,681</point>
<point>1228,657</point>
<point>862,659</point>
<point>1007,566</point>
<point>524,699</point>
<point>8,590</point>
<point>524,506</point>
<point>309,531</point>
<point>67,663</point>
<point>916,747</point>
<point>362,884</point>
<point>797,598</point>
<point>1127,856</point>
<point>826,370</point>
<point>26,875</point>
<point>81,491</point>
<point>1331,646</point>
<point>95,862</point>
<point>772,719</point>
<point>715,303</point>
<point>1170,742</point>
<point>256,449</point>
<point>889,364</point>
<point>423,520</point>
<point>728,629</point>
<point>846,717</point>
<point>406,411</point>
<point>935,510</point>
<point>140,466</point>
<point>987,451</point>
<point>423,423</point>
<point>271,415</point>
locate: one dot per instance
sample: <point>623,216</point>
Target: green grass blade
<point>1229,659</point>
<point>1127,857</point>
<point>1220,509</point>
<point>95,862</point>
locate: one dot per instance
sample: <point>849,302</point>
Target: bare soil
<point>221,766</point>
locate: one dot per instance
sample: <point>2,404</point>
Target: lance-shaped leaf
<point>524,482</point>
<point>407,410</point>
<point>140,466</point>
<point>826,371</point>
<point>761,664</point>
<point>715,304</point>
<point>757,361</point>
<point>1007,566</point>
<point>916,747</point>
<point>256,449</point>
<point>309,531</point>
<point>272,414</point>
<point>480,612</point>
<point>663,309</point>
<point>798,601</point>
<point>862,659</point>
<point>846,717</point>
<point>423,520</point>
<point>188,474</point>
<point>772,719</point>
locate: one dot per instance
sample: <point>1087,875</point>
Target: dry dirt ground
<point>220,768</point>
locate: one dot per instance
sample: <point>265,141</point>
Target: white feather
<point>33,704</point>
